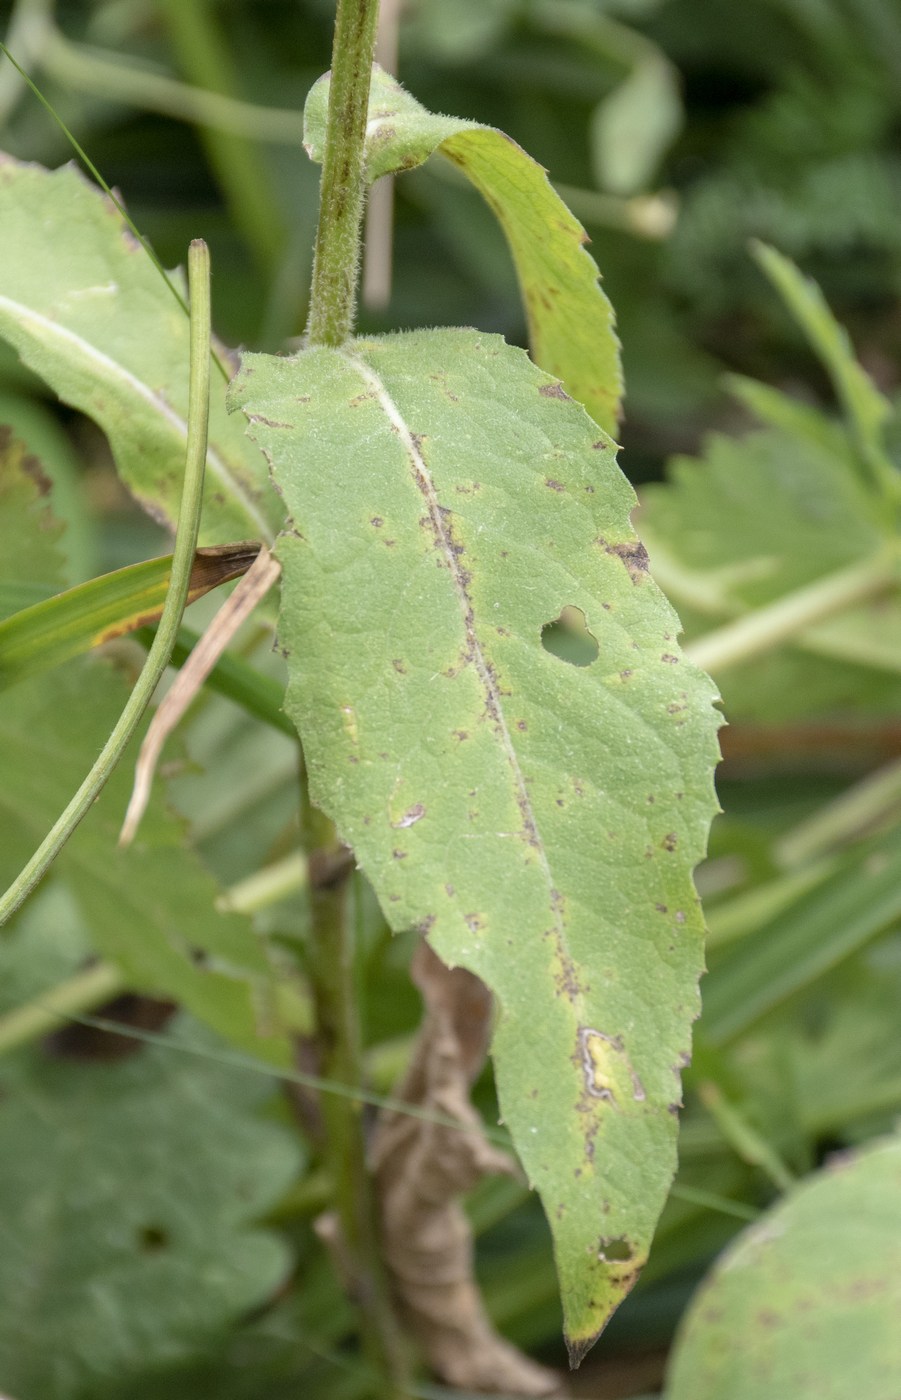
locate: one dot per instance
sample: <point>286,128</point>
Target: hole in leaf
<point>569,639</point>
<point>152,1238</point>
<point>615,1251</point>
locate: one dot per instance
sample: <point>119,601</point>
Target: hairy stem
<point>179,585</point>
<point>332,969</point>
<point>337,259</point>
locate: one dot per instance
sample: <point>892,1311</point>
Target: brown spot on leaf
<point>554,485</point>
<point>552,391</point>
<point>632,553</point>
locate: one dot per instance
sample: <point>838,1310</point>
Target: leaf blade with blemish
<point>570,319</point>
<point>538,820</point>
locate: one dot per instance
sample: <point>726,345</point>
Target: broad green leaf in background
<point>538,820</point>
<point>129,1193</point>
<point>149,908</point>
<point>756,518</point>
<point>570,319</point>
<point>35,424</point>
<point>806,1303</point>
<point>86,310</point>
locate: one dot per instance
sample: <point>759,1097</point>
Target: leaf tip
<point>577,1348</point>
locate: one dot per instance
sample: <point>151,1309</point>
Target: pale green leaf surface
<point>86,309</point>
<point>806,1303</point>
<point>129,1192</point>
<point>570,319</point>
<point>538,820</point>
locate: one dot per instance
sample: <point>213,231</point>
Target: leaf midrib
<point>25,315</point>
<point>422,478</point>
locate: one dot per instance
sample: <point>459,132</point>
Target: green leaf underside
<point>539,821</point>
<point>86,310</point>
<point>806,1303</point>
<point>570,319</point>
<point>129,1194</point>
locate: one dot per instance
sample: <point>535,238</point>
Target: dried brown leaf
<point>422,1167</point>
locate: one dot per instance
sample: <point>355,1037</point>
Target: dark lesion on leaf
<point>632,553</point>
<point>553,391</point>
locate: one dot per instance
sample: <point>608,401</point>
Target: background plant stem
<point>337,260</point>
<point>332,968</point>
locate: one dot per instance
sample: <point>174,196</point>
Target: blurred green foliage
<point>677,130</point>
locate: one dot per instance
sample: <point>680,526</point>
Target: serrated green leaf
<point>775,510</point>
<point>538,820</point>
<point>806,1302</point>
<point>129,1192</point>
<point>86,309</point>
<point>570,319</point>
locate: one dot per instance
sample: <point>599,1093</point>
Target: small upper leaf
<point>87,310</point>
<point>538,820</point>
<point>570,319</point>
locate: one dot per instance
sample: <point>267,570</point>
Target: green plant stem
<point>336,263</point>
<point>73,997</point>
<point>167,632</point>
<point>332,971</point>
<point>769,627</point>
